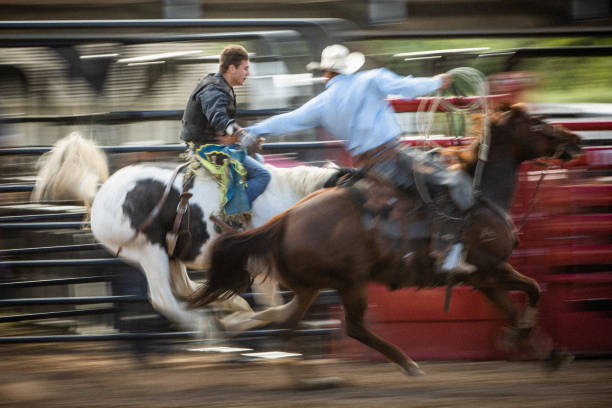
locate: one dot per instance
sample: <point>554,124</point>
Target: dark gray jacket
<point>210,109</point>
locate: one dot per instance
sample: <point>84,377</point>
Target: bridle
<point>542,162</point>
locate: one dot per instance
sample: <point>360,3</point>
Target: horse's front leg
<point>512,335</point>
<point>511,279</point>
<point>355,301</point>
<point>522,323</point>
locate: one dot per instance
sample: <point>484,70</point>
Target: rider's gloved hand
<point>251,143</point>
<point>248,140</point>
<point>230,136</point>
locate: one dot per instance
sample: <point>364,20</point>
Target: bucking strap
<point>183,207</point>
<point>155,212</point>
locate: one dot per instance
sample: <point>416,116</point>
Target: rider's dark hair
<point>232,55</point>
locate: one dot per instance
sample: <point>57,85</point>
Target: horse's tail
<point>229,255</point>
<point>71,170</point>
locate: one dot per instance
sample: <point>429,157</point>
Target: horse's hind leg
<point>182,285</point>
<point>155,264</point>
<point>241,316</point>
<point>303,299</point>
<point>304,376</point>
<point>265,291</point>
<point>355,303</point>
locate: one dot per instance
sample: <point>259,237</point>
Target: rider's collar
<point>333,80</point>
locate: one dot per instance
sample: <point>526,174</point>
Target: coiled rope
<point>425,117</point>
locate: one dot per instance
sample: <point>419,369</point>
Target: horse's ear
<point>519,108</point>
<point>513,111</point>
<point>503,112</point>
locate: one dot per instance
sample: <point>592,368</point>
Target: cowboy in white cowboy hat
<point>354,108</point>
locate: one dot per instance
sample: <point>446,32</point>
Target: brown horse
<point>322,242</point>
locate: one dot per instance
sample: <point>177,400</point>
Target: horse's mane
<point>302,179</point>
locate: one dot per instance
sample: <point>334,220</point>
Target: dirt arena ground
<point>83,376</point>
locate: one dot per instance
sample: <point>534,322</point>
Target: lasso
<point>425,117</point>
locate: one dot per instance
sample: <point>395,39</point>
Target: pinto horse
<point>322,242</point>
<point>74,168</point>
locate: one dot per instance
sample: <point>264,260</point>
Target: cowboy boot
<point>454,262</point>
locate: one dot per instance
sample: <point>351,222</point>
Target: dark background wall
<point>390,14</point>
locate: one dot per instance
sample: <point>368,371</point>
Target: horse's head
<point>537,138</point>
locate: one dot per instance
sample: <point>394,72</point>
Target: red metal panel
<point>599,125</point>
<point>578,196</point>
<point>430,340</point>
<point>572,326</point>
<point>572,224</point>
<point>411,304</point>
<point>424,339</point>
<point>574,255</point>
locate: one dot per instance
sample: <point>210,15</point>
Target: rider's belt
<point>383,152</point>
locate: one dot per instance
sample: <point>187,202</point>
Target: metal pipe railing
<point>38,217</point>
<point>154,336</point>
<point>326,144</point>
<point>60,262</point>
<point>74,300</point>
<point>119,117</point>
<point>58,248</point>
<point>51,282</point>
<point>42,225</point>
<point>56,315</point>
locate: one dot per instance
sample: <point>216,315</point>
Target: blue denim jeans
<point>257,178</point>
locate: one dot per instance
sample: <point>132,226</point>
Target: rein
<point>532,203</point>
<point>533,200</point>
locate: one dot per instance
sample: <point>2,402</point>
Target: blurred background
<point>120,73</point>
<point>67,70</point>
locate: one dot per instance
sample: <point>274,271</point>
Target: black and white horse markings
<point>74,168</point>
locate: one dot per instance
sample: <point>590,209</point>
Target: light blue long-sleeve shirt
<point>353,108</point>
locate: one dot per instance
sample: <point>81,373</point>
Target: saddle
<point>394,215</point>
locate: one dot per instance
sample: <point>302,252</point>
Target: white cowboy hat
<point>339,59</point>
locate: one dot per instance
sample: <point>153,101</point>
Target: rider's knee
<point>263,177</point>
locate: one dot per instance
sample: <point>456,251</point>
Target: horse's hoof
<point>313,384</point>
<point>558,359</point>
<point>507,341</point>
<point>414,371</point>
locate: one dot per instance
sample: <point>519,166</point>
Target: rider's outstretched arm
<point>390,83</point>
<point>305,117</point>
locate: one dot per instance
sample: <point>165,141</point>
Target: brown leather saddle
<point>394,215</point>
